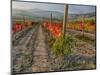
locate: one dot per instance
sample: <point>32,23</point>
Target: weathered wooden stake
<point>65,18</point>
<point>50,18</point>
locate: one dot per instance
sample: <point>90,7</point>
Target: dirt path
<point>76,32</point>
<point>40,54</point>
<point>82,47</point>
<point>22,52</point>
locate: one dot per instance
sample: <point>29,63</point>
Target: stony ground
<point>22,51</point>
<point>41,63</point>
<point>30,53</point>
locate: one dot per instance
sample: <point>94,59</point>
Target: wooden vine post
<point>50,22</point>
<point>50,18</point>
<point>64,28</point>
<point>65,19</point>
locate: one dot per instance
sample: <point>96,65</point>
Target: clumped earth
<point>22,52</point>
<point>32,53</point>
<point>82,57</point>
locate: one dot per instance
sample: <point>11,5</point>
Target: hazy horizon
<point>72,9</point>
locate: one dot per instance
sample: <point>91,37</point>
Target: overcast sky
<point>53,7</point>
